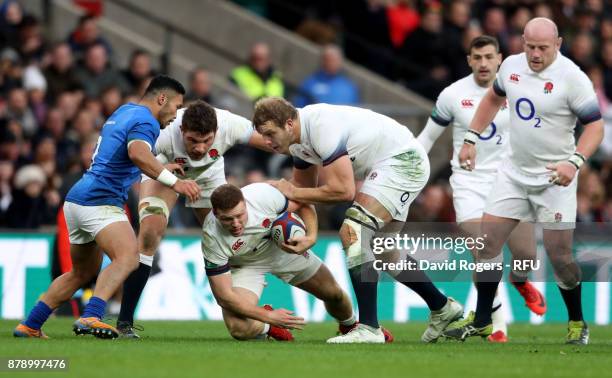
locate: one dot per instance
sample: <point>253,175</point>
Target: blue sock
<point>39,314</point>
<point>95,308</point>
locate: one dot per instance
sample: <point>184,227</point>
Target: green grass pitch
<point>204,349</point>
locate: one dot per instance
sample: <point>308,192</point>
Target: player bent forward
<point>238,252</point>
<point>193,144</point>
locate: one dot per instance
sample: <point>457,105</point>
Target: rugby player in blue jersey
<point>94,208</point>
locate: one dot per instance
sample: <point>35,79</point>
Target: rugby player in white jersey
<point>238,252</point>
<point>348,144</point>
<point>546,93</point>
<point>456,106</point>
<point>193,146</point>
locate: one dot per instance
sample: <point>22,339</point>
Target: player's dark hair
<point>226,197</point>
<point>275,109</point>
<point>163,82</point>
<point>482,41</point>
<point>200,117</point>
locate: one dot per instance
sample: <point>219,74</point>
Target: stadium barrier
<point>180,289</point>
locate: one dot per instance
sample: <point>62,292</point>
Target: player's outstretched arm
<point>140,153</point>
<point>301,244</point>
<point>221,286</point>
<point>430,134</point>
<point>339,185</point>
<point>487,109</point>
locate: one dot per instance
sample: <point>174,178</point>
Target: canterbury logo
<point>467,103</point>
<point>515,77</point>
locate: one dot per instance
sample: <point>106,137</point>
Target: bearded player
<point>547,93</point>
<point>193,144</point>
<point>456,106</point>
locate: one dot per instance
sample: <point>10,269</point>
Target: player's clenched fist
<point>188,188</point>
<point>562,173</point>
<point>285,318</point>
<point>467,156</point>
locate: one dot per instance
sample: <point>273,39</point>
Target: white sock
<point>348,322</point>
<point>497,316</point>
<point>266,328</point>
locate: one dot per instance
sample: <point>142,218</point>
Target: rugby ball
<point>287,226</point>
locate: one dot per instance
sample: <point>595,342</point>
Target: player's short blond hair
<point>274,109</point>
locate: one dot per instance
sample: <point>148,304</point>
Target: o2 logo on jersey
<point>529,113</point>
<point>213,153</point>
<point>492,134</point>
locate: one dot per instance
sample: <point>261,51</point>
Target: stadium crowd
<point>55,95</point>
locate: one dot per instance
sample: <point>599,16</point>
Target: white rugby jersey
<point>457,105</point>
<point>544,107</point>
<point>264,204</point>
<point>331,131</point>
<point>232,129</point>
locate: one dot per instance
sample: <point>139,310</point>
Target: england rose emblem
<point>548,87</point>
<point>214,154</point>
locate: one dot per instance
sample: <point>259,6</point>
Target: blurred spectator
<point>519,19</point>
<point>258,78</point>
<point>494,24</point>
<point>7,169</point>
<point>36,85</point>
<point>329,84</point>
<point>31,206</point>
<point>426,48</point>
<point>32,45</point>
<point>85,35</point>
<point>515,43</point>
<point>61,73</point>
<point>19,110</point>
<point>10,70</point>
<point>455,25</point>
<point>581,51</point>
<point>83,128</point>
<point>78,164</point>
<point>11,16</point>
<point>138,70</point>
<point>55,131</point>
<point>543,10</point>
<point>111,100</point>
<point>199,86</point>
<point>68,103</point>
<point>403,19</point>
<point>96,74</point>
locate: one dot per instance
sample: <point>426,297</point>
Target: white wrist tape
<point>577,160</point>
<point>167,178</point>
<point>470,137</point>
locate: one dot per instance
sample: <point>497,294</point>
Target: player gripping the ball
<point>238,252</point>
<point>352,144</point>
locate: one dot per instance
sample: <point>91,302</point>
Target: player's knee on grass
<point>239,329</point>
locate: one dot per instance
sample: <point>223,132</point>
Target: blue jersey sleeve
<point>145,132</point>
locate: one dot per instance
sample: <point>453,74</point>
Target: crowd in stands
<point>55,95</point>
